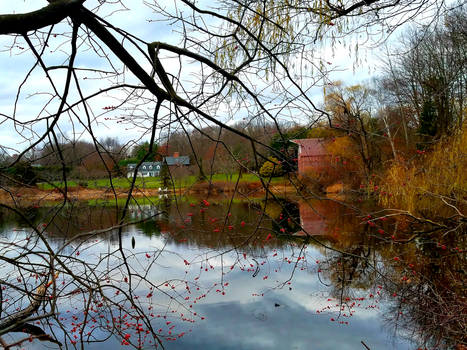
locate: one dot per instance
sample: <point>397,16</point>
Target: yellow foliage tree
<point>349,108</point>
<point>346,160</point>
<point>271,168</point>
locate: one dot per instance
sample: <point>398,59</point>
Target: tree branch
<point>51,14</point>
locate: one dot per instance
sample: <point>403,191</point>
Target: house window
<point>150,167</point>
<point>144,166</point>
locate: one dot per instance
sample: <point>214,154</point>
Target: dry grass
<point>433,183</point>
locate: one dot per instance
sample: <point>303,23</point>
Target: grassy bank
<point>153,182</point>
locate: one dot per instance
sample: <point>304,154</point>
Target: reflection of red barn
<point>312,220</point>
<point>312,155</point>
<point>322,218</point>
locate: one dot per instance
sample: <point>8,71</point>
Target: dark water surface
<point>226,276</point>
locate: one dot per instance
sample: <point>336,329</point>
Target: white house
<point>145,169</point>
<point>154,168</point>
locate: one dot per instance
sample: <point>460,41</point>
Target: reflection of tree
<point>284,215</point>
<point>358,259</point>
<point>48,265</point>
<point>149,227</point>
<point>431,312</point>
<point>425,283</point>
<point>106,290</point>
<point>354,269</point>
<point>431,303</point>
<point>347,272</point>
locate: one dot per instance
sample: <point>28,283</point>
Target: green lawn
<point>151,182</point>
<point>123,182</point>
<point>55,184</point>
<point>120,183</point>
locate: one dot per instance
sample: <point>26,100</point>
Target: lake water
<point>211,274</point>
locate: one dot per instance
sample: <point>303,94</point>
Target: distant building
<point>177,159</point>
<point>154,168</point>
<point>145,169</point>
<point>312,155</point>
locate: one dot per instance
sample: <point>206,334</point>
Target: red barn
<point>312,155</point>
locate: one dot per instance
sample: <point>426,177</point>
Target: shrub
<point>271,168</point>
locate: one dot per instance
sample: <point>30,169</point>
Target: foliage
<point>433,183</point>
<point>124,162</point>
<point>271,168</point>
<point>427,73</point>
<point>165,176</point>
<point>350,109</point>
<point>258,61</point>
<point>284,149</point>
<point>281,142</point>
<point>277,31</point>
<point>346,161</point>
<point>23,172</point>
<point>323,132</point>
<point>142,151</point>
<point>428,119</point>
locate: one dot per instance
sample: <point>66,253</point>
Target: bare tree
<point>254,60</point>
<point>427,72</point>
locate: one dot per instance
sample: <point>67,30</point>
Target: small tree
<point>271,167</point>
<point>166,179</point>
<point>141,151</point>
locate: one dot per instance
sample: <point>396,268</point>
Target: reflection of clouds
<point>236,319</point>
<point>236,326</point>
<point>312,295</point>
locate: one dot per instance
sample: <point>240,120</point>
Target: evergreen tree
<point>166,179</point>
<point>428,119</point>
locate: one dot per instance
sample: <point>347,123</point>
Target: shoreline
<point>35,196</point>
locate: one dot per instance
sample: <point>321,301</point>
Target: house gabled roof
<point>144,164</point>
<point>312,147</point>
<point>180,160</point>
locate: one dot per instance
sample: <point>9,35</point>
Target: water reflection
<point>223,275</point>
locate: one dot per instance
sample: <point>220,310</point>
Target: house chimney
<point>176,154</point>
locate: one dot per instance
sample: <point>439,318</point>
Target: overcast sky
<point>16,62</point>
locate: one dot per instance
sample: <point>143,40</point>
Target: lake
<point>217,273</point>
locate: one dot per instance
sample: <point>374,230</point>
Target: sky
<point>35,100</point>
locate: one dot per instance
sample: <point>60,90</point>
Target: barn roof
<point>312,147</point>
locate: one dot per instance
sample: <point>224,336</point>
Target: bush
<point>271,168</point>
<point>23,172</point>
<point>83,183</point>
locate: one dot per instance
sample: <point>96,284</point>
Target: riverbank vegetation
<point>234,87</point>
<point>433,183</point>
